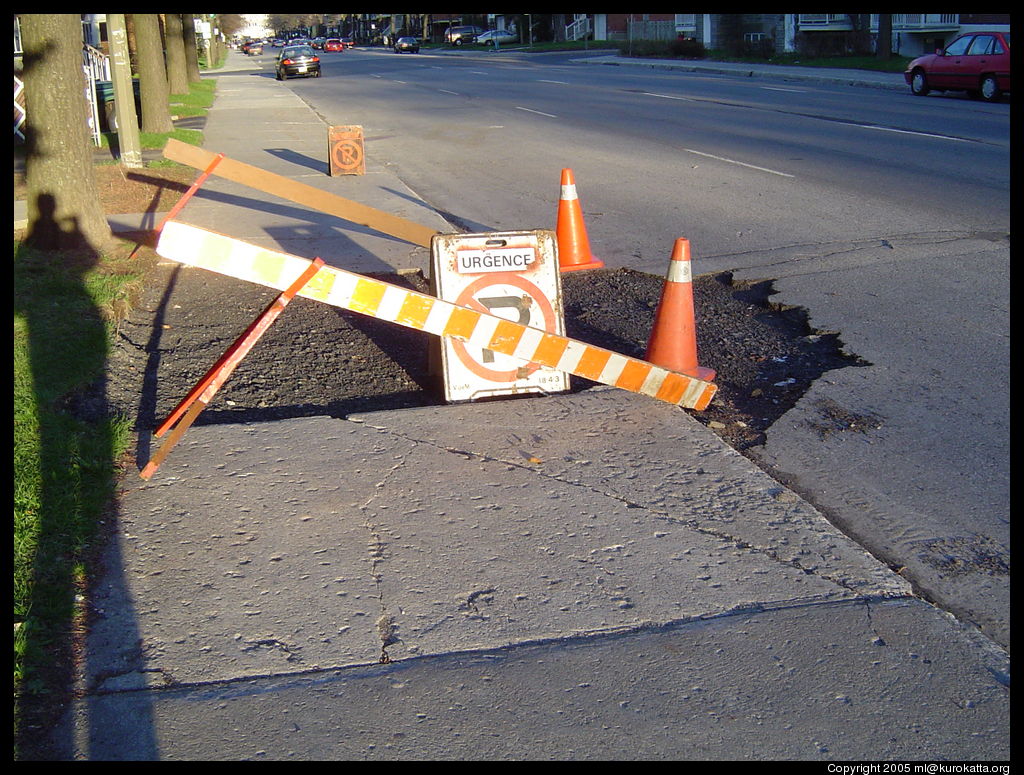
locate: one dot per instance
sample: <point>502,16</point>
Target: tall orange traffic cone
<point>673,342</point>
<point>573,245</point>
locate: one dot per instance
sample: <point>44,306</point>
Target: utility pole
<point>128,142</point>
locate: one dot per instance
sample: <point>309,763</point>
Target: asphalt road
<point>884,216</point>
<point>734,164</point>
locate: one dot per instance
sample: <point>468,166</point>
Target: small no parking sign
<point>511,275</point>
<point>345,150</point>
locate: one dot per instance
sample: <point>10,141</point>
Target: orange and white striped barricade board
<point>383,301</point>
<point>515,276</point>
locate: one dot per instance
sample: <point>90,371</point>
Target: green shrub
<point>682,48</point>
<point>687,48</point>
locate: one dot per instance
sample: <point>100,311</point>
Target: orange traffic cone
<point>573,245</point>
<point>673,342</point>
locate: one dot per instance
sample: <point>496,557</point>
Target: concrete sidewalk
<point>591,576</point>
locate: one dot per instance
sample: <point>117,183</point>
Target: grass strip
<point>65,467</point>
<point>196,103</point>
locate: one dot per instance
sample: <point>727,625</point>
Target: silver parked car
<point>491,37</point>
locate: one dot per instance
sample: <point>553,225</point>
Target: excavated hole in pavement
<point>319,360</point>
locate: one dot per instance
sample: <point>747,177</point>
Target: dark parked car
<point>977,63</point>
<point>457,36</point>
<point>297,60</point>
<point>407,44</point>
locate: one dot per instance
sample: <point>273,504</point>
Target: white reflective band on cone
<point>679,272</point>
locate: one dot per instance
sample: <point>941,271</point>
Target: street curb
<point>846,78</point>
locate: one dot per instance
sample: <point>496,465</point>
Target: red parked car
<point>977,63</point>
<point>334,44</point>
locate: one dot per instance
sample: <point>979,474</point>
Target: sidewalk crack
<point>387,628</point>
<point>661,514</point>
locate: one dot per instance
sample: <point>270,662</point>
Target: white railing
<point>96,62</point>
<point>925,21</point>
<point>823,19</point>
<point>579,29</point>
<point>96,66</point>
<point>94,111</point>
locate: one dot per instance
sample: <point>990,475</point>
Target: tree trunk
<point>188,35</point>
<point>177,74</point>
<point>133,48</point>
<point>861,34</point>
<point>64,209</point>
<point>883,47</point>
<point>156,116</point>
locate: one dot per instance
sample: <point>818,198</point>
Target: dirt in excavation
<point>318,360</point>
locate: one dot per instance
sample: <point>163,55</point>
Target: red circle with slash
<point>468,299</point>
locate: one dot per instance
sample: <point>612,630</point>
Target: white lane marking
<point>538,112</point>
<point>667,96</point>
<point>779,88</point>
<point>740,163</point>
<point>909,132</point>
<point>545,80</point>
<point>449,92</point>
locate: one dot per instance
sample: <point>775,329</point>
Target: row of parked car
<point>455,36</point>
<point>460,36</point>
<point>322,44</point>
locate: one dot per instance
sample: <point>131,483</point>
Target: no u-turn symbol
<point>345,150</point>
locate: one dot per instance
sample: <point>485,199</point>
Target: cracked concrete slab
<point>320,543</point>
<point>846,681</point>
<point>655,458</point>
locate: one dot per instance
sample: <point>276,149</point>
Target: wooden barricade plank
<point>301,193</point>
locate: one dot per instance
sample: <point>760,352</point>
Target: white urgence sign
<point>513,276</point>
